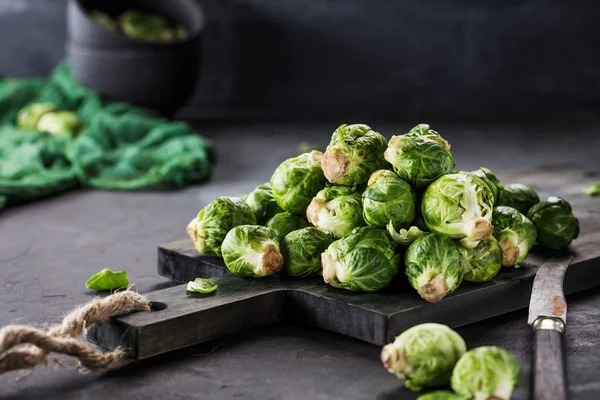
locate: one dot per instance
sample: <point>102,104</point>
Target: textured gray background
<point>385,58</point>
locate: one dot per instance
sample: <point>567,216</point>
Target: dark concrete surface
<point>49,249</point>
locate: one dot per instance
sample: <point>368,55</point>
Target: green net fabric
<point>122,147</point>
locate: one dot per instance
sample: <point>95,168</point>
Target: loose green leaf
<point>201,285</point>
<point>593,190</point>
<point>405,237</point>
<point>108,280</point>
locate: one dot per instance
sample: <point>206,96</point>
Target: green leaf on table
<point>201,285</point>
<point>108,280</point>
<point>593,190</point>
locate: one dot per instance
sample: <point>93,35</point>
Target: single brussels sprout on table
<point>433,267</point>
<point>518,196</point>
<point>418,160</point>
<point>215,220</point>
<point>424,355</point>
<point>425,131</point>
<point>297,180</point>
<point>440,395</point>
<point>405,237</point>
<point>354,152</point>
<point>515,233</point>
<point>459,205</point>
<point>59,123</point>
<point>487,372</point>
<point>482,263</point>
<point>491,180</point>
<point>262,203</point>
<point>252,251</point>
<point>388,199</point>
<point>336,210</point>
<point>301,250</point>
<point>284,223</point>
<point>29,116</point>
<point>363,261</point>
<point>555,223</point>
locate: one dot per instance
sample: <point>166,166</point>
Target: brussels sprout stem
<point>434,290</point>
<point>510,252</point>
<point>312,212</point>
<point>328,264</point>
<point>478,229</point>
<point>272,261</point>
<point>392,359</point>
<point>334,165</point>
<point>192,232</point>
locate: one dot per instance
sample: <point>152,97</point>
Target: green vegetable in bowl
<point>433,267</point>
<point>555,223</point>
<point>518,196</point>
<point>424,355</point>
<point>418,160</point>
<point>354,152</point>
<point>440,395</point>
<point>104,20</point>
<point>425,130</point>
<point>487,372</point>
<point>262,202</point>
<point>363,261</point>
<point>405,237</point>
<point>28,116</point>
<point>301,250</point>
<point>336,210</point>
<point>144,25</point>
<point>491,180</point>
<point>297,180</point>
<point>201,285</point>
<point>515,233</point>
<point>459,205</point>
<point>215,220</point>
<point>252,251</point>
<point>108,280</point>
<point>388,199</point>
<point>482,263</point>
<point>59,123</point>
<point>284,223</point>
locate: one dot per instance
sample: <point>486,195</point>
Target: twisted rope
<point>25,347</point>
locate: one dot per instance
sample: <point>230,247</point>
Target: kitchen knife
<point>548,317</point>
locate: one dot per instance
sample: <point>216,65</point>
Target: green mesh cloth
<point>122,147</point>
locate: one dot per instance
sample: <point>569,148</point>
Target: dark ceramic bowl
<point>158,75</point>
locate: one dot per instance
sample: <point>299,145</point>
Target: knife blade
<point>548,318</point>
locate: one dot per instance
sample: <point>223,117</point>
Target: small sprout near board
<point>108,280</point>
<point>201,285</point>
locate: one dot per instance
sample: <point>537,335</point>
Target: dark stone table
<point>49,249</point>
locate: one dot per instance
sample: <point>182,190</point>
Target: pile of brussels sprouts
<point>433,355</point>
<point>368,208</point>
<point>141,25</point>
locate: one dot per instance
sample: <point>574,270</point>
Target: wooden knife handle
<point>549,367</point>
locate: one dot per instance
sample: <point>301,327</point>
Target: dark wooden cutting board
<point>183,319</point>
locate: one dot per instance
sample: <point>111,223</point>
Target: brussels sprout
<point>433,267</point>
<point>424,355</point>
<point>440,395</point>
<point>302,250</point>
<point>388,199</point>
<point>483,262</point>
<point>59,123</point>
<point>104,20</point>
<point>262,202</point>
<point>491,180</point>
<point>362,261</point>
<point>418,160</point>
<point>295,182</point>
<point>354,152</point>
<point>336,210</point>
<point>143,25</point>
<point>515,233</point>
<point>459,205</point>
<point>518,196</point>
<point>593,190</point>
<point>216,219</point>
<point>252,251</point>
<point>405,237</point>
<point>555,223</point>
<point>425,131</point>
<point>486,373</point>
<point>284,223</point>
<point>28,116</point>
